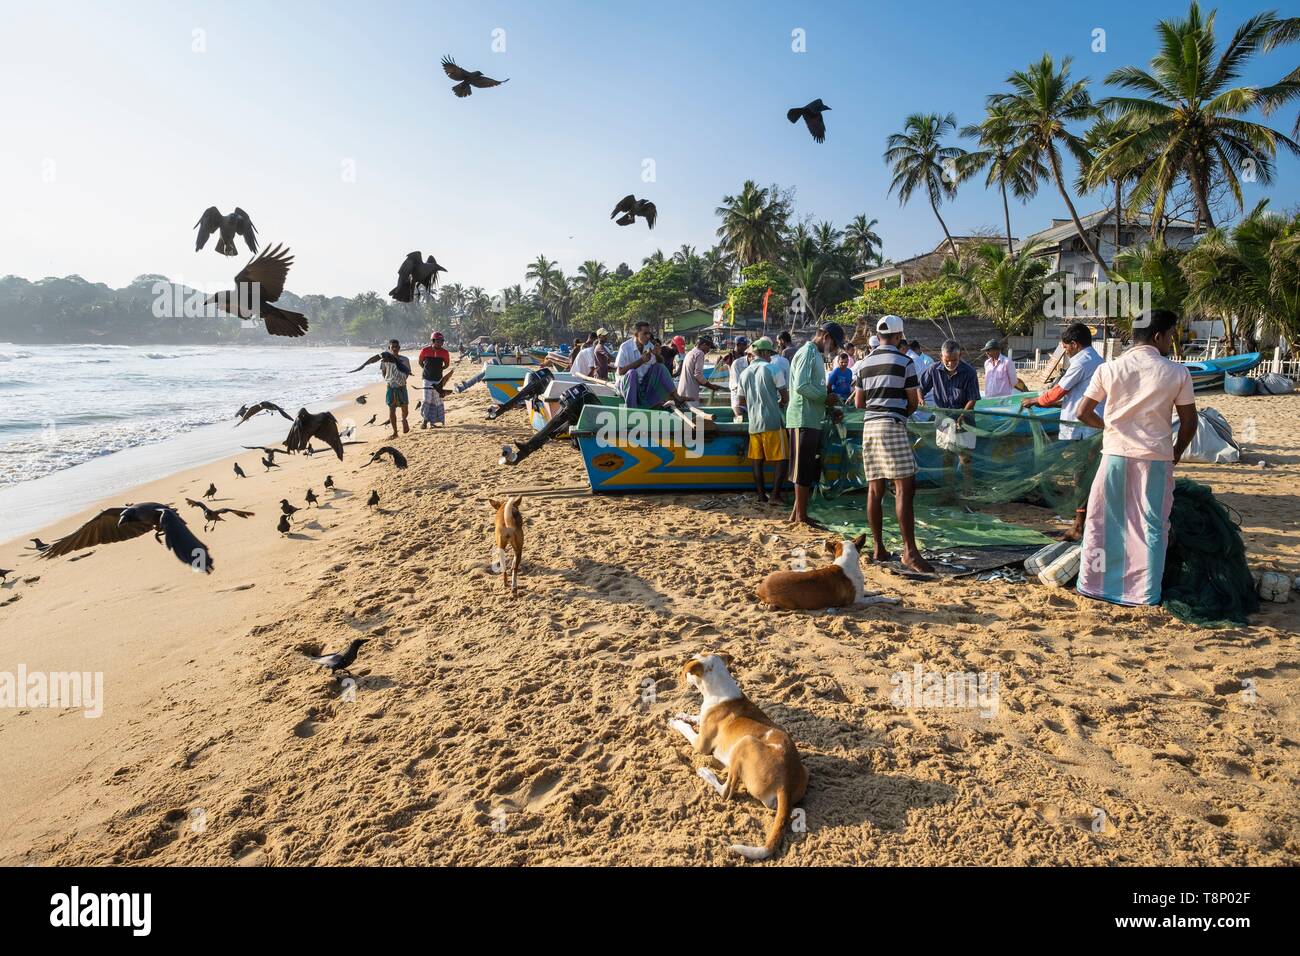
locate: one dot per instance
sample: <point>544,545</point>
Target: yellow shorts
<point>768,446</point>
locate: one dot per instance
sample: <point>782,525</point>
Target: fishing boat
<point>1209,373</point>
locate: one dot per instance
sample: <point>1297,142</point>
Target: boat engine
<point>534,384</point>
<point>572,402</point>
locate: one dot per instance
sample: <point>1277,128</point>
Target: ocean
<point>80,422</point>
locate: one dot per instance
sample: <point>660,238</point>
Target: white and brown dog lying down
<point>836,585</point>
<point>757,754</point>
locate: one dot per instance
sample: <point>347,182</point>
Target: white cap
<point>873,342</point>
<point>890,325</point>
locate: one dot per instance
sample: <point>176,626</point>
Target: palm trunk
<point>1199,190</point>
<point>1006,213</point>
<point>943,225</point>
<point>1074,216</point>
<point>1119,217</point>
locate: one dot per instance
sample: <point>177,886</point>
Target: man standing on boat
<point>806,411</point>
<point>1067,394</point>
<point>1127,528</point>
<point>761,398</point>
<point>692,377</point>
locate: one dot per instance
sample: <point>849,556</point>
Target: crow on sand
<point>212,515</point>
<point>329,482</point>
<point>239,472</point>
<point>283,526</point>
<point>311,498</point>
<point>269,463</point>
<point>341,661</point>
<point>373,500</point>
<point>398,458</point>
<point>287,509</point>
<point>211,492</point>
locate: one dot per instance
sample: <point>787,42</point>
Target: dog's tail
<point>773,835</point>
<point>510,510</point>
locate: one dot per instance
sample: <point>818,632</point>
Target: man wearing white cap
<point>886,388</point>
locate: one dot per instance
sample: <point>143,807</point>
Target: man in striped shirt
<point>885,387</point>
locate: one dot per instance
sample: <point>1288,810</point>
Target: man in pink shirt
<point>1127,528</point>
<point>999,371</point>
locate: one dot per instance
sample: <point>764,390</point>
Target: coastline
<point>489,730</point>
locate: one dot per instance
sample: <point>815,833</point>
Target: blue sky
<point>118,133</point>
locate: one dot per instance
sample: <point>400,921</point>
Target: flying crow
<point>631,207</point>
<point>308,426</point>
<point>258,284</point>
<point>236,224</point>
<point>398,458</point>
<point>212,515</point>
<point>812,116</point>
<point>465,79</point>
<point>121,524</point>
<point>248,411</point>
<point>415,273</point>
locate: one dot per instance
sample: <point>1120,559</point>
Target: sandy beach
<point>489,730</point>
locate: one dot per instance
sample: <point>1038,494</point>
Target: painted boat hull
<point>1210,373</point>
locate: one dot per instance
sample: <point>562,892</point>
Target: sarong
<point>647,387</point>
<point>432,409</point>
<point>1127,531</point>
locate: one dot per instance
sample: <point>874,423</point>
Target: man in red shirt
<point>434,361</point>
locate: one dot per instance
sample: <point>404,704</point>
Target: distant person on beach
<point>692,379</point>
<point>434,361</point>
<point>762,400</point>
<point>395,370</point>
<point>888,392</point>
<point>999,371</point>
<point>600,353</point>
<point>840,379</point>
<point>785,343</point>
<point>1067,394</point>
<point>1126,530</point>
<point>809,398</point>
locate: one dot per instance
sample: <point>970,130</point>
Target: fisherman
<point>952,384</point>
<point>434,360</point>
<point>807,409</point>
<point>692,377</point>
<point>762,399</point>
<point>887,390</point>
<point>1067,394</point>
<point>395,370</point>
<point>1126,530</point>
<point>999,371</point>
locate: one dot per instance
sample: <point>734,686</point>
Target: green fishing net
<point>1207,581</point>
<point>1016,457</point>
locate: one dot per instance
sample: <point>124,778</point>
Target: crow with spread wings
<point>308,426</point>
<point>631,207</point>
<point>212,515</point>
<point>467,80</point>
<point>226,227</point>
<point>248,411</point>
<point>812,117</point>
<point>258,284</point>
<point>415,273</point>
<point>121,524</point>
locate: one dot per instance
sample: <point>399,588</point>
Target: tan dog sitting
<point>836,585</point>
<point>757,754</point>
<point>509,537</point>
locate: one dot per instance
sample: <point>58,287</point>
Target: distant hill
<point>153,309</point>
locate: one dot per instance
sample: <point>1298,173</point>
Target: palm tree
<point>1288,88</point>
<point>1042,101</point>
<point>655,258</point>
<point>753,223</point>
<point>1022,177</point>
<point>590,274</point>
<point>921,161</point>
<point>545,273</point>
<point>1251,273</point>
<point>1191,119</point>
<point>1006,288</point>
<point>718,270</point>
<point>822,274</point>
<point>862,242</point>
<point>1160,268</point>
<point>1110,159</point>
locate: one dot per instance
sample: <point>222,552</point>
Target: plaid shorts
<point>886,450</point>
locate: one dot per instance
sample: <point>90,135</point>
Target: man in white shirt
<point>999,371</point>
<point>634,353</point>
<point>584,363</point>
<point>738,364</point>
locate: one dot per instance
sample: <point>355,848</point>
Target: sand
<point>488,730</point>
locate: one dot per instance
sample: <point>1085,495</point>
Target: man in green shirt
<point>809,397</point>
<point>761,400</point>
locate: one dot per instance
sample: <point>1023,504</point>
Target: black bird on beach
<point>270,452</point>
<point>361,399</point>
<point>287,509</point>
<point>239,472</point>
<point>311,498</point>
<point>269,463</point>
<point>283,526</point>
<point>258,284</point>
<point>310,450</point>
<point>342,661</point>
<point>5,572</point>
<point>211,492</point>
<point>329,482</point>
<point>372,419</point>
<point>631,207</point>
<point>227,227</point>
<point>38,544</point>
<point>812,117</point>
<point>121,524</point>
<point>307,426</point>
<point>373,500</point>
<point>248,411</point>
<point>467,80</point>
<point>212,515</point>
<point>413,274</point>
<point>398,458</point>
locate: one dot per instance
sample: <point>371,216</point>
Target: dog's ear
<point>832,546</point>
<point>725,658</point>
<point>860,541</point>
<point>496,505</point>
<point>692,666</point>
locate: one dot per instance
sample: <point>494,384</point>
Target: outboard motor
<point>572,402</point>
<point>469,382</point>
<point>534,384</point>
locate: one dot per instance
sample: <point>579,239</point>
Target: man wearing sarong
<point>649,386</point>
<point>1127,527</point>
<point>434,361</point>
